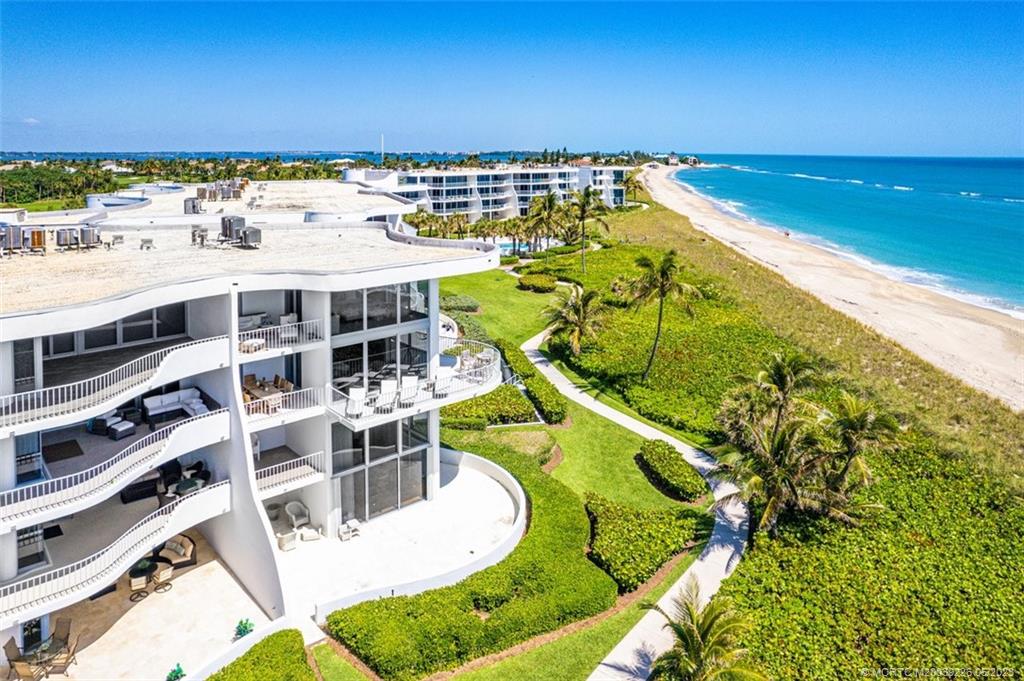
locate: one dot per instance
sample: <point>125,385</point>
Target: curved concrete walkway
<point>632,658</point>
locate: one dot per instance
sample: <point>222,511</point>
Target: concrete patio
<point>471,515</point>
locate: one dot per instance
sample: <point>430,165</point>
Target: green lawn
<point>333,667</point>
<point>48,204</point>
<point>505,311</point>
<point>576,655</point>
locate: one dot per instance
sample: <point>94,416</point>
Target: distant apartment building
<point>237,397</point>
<point>492,194</point>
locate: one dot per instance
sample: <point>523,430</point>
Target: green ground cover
<point>278,657</point>
<point>506,312</point>
<point>333,667</point>
<point>48,204</point>
<point>904,589</point>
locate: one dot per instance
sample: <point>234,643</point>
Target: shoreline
<point>983,347</point>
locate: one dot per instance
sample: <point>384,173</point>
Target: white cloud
<point>30,121</point>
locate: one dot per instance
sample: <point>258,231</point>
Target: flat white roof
<point>35,282</point>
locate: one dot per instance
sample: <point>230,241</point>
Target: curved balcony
<point>61,586</point>
<point>476,369</point>
<point>113,387</point>
<point>290,475</point>
<point>281,338</point>
<point>60,496</point>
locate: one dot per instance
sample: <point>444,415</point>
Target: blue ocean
<point>952,224</point>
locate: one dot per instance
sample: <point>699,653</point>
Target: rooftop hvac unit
<point>200,194</point>
<point>252,237</point>
<point>12,237</point>
<point>67,237</point>
<point>192,204</point>
<point>199,235</point>
<point>236,193</point>
<point>90,236</point>
<point>33,238</point>
<point>225,193</point>
<point>231,227</point>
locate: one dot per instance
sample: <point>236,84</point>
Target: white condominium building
<point>225,408</point>
<point>492,194</point>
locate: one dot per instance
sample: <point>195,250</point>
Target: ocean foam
<point>901,188</point>
<point>908,275</point>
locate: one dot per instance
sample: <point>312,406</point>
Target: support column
<point>434,454</point>
<point>37,359</point>
<point>7,368</point>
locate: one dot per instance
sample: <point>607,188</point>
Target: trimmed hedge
<point>504,404</point>
<point>538,283</point>
<point>667,469</point>
<point>545,583</point>
<point>460,302</point>
<point>541,255</point>
<point>564,250</point>
<point>551,404</point>
<point>471,423</point>
<point>631,544</point>
<point>469,326</point>
<point>279,657</point>
<point>509,259</point>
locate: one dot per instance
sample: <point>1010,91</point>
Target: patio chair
<point>277,381</point>
<point>162,579</point>
<point>410,388</point>
<point>297,513</point>
<point>138,587</point>
<point>356,404</point>
<point>61,662</point>
<point>388,396</point>
<point>289,334</point>
<point>26,671</point>
<point>353,527</point>
<point>61,634</point>
<point>13,654</point>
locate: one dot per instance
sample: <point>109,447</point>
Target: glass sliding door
<point>413,477</point>
<point>346,312</point>
<point>350,496</point>
<point>381,306</point>
<point>383,487</point>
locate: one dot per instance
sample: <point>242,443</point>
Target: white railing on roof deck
<point>126,464</point>
<point>276,404</point>
<point>282,336</point>
<point>90,392</point>
<point>478,364</point>
<point>102,567</point>
<point>309,466</point>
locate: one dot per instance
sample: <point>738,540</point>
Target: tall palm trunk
<point>583,247</point>
<point>657,337</point>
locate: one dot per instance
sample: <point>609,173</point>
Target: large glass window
<point>381,306</point>
<point>62,343</point>
<point>347,447</point>
<point>413,300</point>
<point>100,336</point>
<point>347,366</point>
<point>350,496</point>
<point>346,312</point>
<point>383,441</point>
<point>415,431</point>
<point>170,320</point>
<point>383,485</point>
<point>413,476</point>
<point>137,327</point>
<point>381,358</point>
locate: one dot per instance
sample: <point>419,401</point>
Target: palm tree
<point>543,214</point>
<point>631,183</point>
<point>782,378</point>
<point>660,281</point>
<point>587,205</point>
<point>857,425</point>
<point>576,313</point>
<point>706,643</point>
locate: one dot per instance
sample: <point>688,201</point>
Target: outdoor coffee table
<point>144,568</point>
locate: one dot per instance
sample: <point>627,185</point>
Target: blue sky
<point>923,79</point>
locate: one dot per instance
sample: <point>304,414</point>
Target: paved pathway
<point>632,658</point>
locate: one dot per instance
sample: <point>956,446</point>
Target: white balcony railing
<point>309,468</point>
<point>279,403</point>
<point>127,464</point>
<point>59,400</point>
<point>89,574</point>
<point>477,364</point>
<point>277,337</point>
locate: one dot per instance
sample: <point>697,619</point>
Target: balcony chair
<point>388,396</point>
<point>297,513</point>
<point>138,587</point>
<point>355,407</point>
<point>290,334</point>
<point>410,389</point>
<point>61,634</point>
<point>162,579</point>
<point>277,381</point>
<point>179,551</point>
<point>26,671</point>
<point>249,381</point>
<point>62,661</point>
<point>13,654</point>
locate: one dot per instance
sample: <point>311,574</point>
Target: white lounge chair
<point>410,389</point>
<point>298,514</point>
<point>388,396</point>
<point>289,334</point>
<point>356,405</point>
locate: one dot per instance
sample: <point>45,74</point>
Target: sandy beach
<point>982,347</point>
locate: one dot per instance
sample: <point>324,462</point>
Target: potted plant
<point>176,674</point>
<point>243,628</point>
